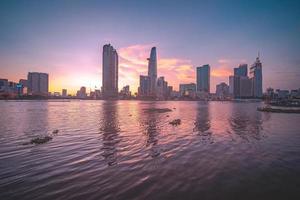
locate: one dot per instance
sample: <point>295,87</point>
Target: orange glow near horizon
<point>82,70</point>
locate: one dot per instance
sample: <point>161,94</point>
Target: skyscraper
<point>234,86</point>
<point>231,85</point>
<point>162,88</point>
<point>144,88</point>
<point>240,84</point>
<point>152,71</point>
<point>109,72</point>
<point>37,83</point>
<point>245,87</point>
<point>203,78</point>
<point>242,70</point>
<point>256,77</point>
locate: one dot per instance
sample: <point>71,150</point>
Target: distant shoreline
<point>71,99</point>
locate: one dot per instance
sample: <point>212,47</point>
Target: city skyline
<point>56,41</point>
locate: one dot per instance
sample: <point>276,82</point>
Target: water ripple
<point>116,150</point>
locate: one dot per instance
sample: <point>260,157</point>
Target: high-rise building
<point>240,85</point>
<point>64,93</point>
<point>242,70</point>
<point>144,89</point>
<point>109,72</point>
<point>152,71</point>
<point>245,87</point>
<point>222,90</point>
<point>169,91</point>
<point>256,77</point>
<point>162,88</point>
<point>231,85</point>
<point>37,83</point>
<point>203,78</point>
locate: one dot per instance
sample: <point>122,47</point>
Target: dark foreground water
<point>116,150</point>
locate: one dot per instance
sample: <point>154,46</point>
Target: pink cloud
<point>133,62</point>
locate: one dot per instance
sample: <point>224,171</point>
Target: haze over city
<point>65,39</point>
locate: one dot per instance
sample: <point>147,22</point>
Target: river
<point>118,150</point>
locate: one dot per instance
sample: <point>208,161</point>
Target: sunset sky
<point>65,39</point>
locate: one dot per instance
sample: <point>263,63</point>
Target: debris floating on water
<point>41,140</point>
<point>55,131</point>
<point>157,110</point>
<point>175,122</point>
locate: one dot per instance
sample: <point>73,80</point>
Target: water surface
<point>116,150</point>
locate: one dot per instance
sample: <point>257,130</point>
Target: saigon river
<point>117,150</point>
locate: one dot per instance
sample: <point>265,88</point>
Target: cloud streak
<point>133,63</point>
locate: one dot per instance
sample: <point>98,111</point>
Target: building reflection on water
<point>149,123</point>
<point>202,122</point>
<point>245,123</point>
<point>110,128</point>
<point>35,119</point>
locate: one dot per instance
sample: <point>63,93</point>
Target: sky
<point>65,38</point>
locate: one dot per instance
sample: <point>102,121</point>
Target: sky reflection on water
<point>117,150</point>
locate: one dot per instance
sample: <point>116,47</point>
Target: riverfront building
<point>222,90</point>
<point>256,77</point>
<point>162,88</point>
<point>37,83</point>
<point>152,71</point>
<point>188,90</point>
<point>144,88</point>
<point>240,85</point>
<point>242,70</point>
<point>203,78</point>
<point>109,72</point>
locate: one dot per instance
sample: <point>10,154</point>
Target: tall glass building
<point>109,72</point>
<point>256,77</point>
<point>242,70</point>
<point>203,78</point>
<point>144,88</point>
<point>152,71</point>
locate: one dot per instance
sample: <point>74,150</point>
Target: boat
<point>278,110</point>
